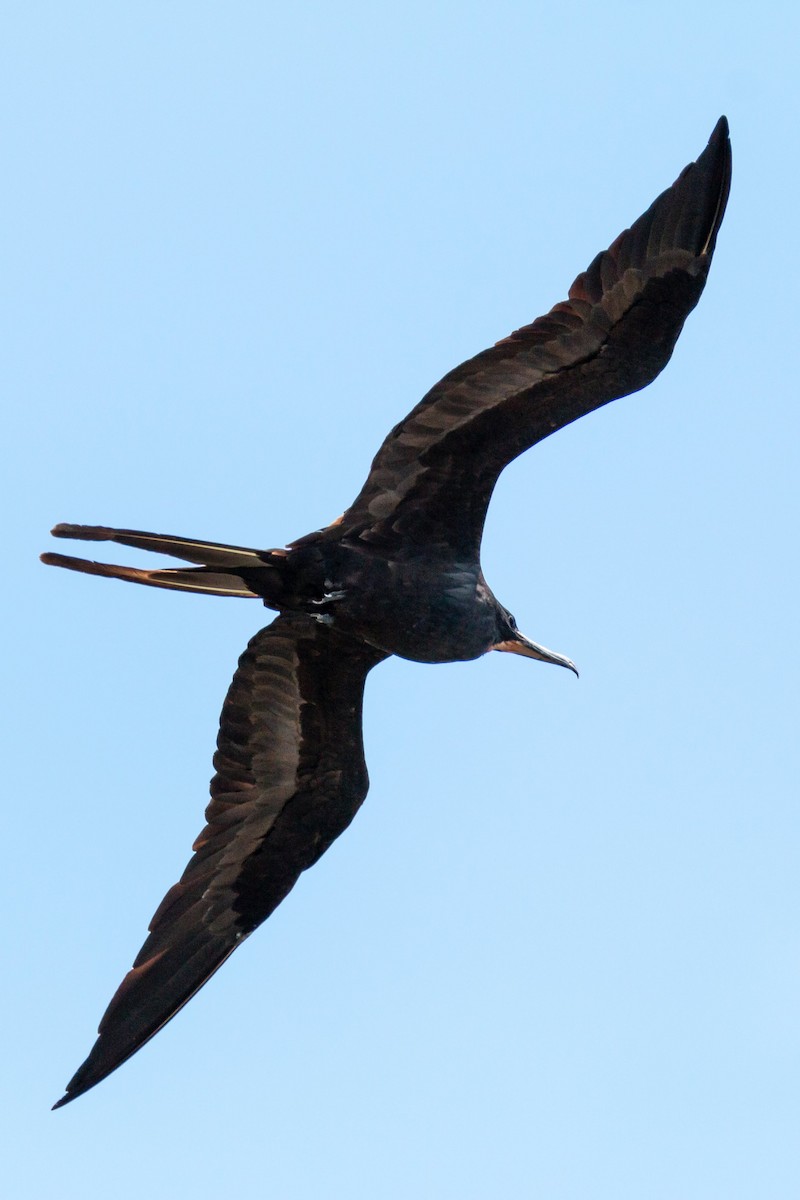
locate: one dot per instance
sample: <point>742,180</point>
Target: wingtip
<point>720,142</point>
<point>65,1099</point>
<point>720,153</point>
<point>721,129</point>
<point>703,188</point>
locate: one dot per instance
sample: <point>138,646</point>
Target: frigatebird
<point>398,573</point>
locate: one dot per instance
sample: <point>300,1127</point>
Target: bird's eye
<point>512,624</point>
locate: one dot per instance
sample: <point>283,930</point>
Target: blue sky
<point>558,952</point>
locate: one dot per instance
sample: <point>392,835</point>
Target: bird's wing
<point>432,478</point>
<point>290,776</point>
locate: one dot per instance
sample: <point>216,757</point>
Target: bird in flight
<point>398,573</point>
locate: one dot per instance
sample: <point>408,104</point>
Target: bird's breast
<point>423,611</point>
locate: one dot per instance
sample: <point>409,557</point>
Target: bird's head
<point>511,640</point>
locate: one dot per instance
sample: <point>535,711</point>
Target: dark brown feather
<point>290,776</point>
<point>203,580</point>
<point>400,570</point>
<point>432,479</point>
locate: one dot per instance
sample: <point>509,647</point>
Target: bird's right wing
<point>431,480</point>
<point>290,776</point>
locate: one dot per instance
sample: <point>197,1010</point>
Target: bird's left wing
<point>432,478</point>
<point>290,776</point>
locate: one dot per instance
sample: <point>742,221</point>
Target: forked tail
<point>217,575</point>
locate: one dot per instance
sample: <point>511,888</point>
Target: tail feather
<point>219,573</point>
<point>198,579</point>
<point>209,554</point>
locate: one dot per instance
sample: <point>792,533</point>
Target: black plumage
<point>398,573</point>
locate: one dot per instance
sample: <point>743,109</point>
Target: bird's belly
<point>440,621</point>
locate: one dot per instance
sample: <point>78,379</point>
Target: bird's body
<point>421,607</point>
<point>397,574</point>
